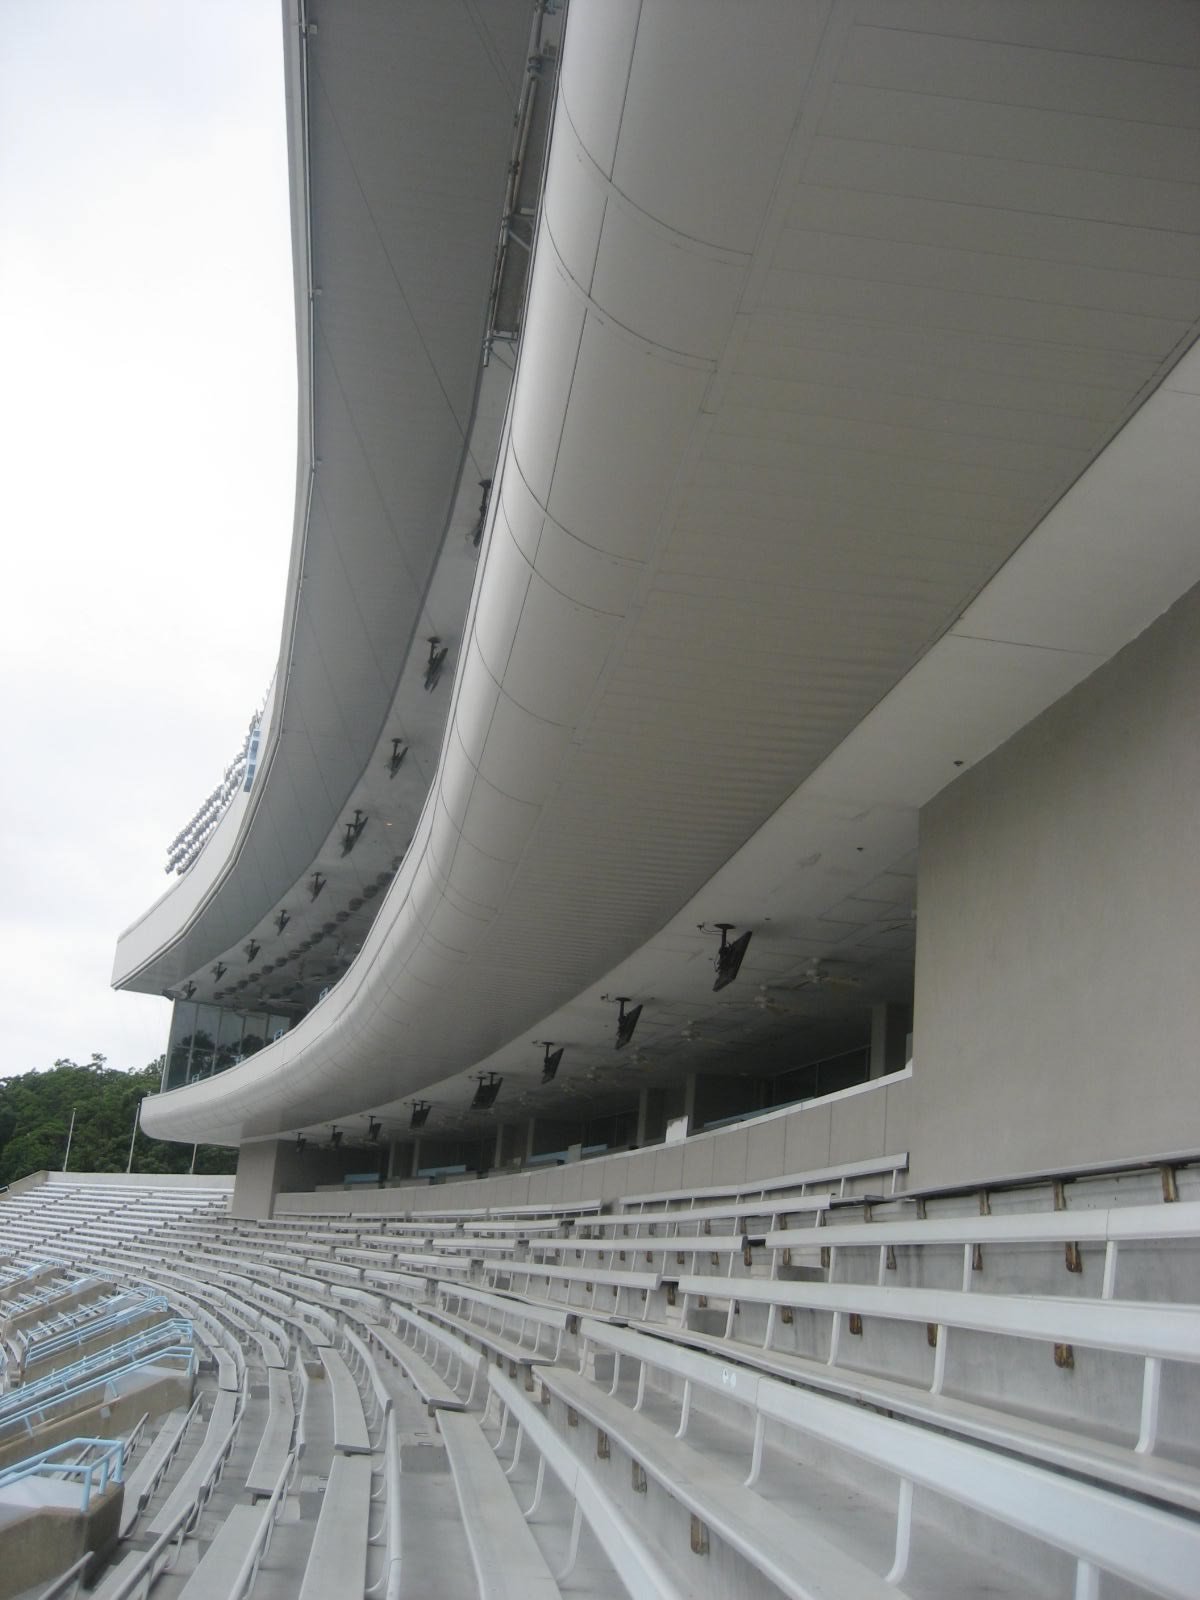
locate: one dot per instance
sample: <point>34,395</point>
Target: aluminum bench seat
<point>223,1561</point>
<point>141,1481</point>
<point>638,1564</point>
<point>216,1441</point>
<point>1155,1477</point>
<point>516,1354</point>
<point>788,1545</point>
<point>508,1563</point>
<point>558,1319</point>
<point>435,1391</point>
<point>730,1245</point>
<point>592,1278</point>
<point>337,1561</point>
<point>350,1434</point>
<point>840,1174</point>
<point>1099,1529</point>
<point>276,1443</point>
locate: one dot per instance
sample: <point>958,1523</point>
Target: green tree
<point>35,1114</point>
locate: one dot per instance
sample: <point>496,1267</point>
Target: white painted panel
<point>548,352</point>
<point>628,419</point>
<point>1098,85</point>
<point>1015,185</point>
<point>475,703</point>
<point>506,580</point>
<point>957,704</point>
<point>573,203</point>
<point>662,287</point>
<point>496,822</point>
<point>577,571</point>
<point>595,68</point>
<point>557,655</point>
<point>1152,30</point>
<point>680,156</point>
<point>1075,587</point>
<point>903,255</point>
<point>520,509</point>
<point>523,752</point>
<point>975,127</point>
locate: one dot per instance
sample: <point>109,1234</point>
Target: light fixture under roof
<point>551,1059</point>
<point>437,660</point>
<point>335,1138</point>
<point>730,956</point>
<point>485,1094</point>
<point>373,1127</point>
<point>627,1021</point>
<point>353,831</point>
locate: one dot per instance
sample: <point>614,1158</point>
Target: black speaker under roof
<point>485,1094</point>
<point>550,1062</point>
<point>420,1113</point>
<point>730,955</point>
<point>627,1021</point>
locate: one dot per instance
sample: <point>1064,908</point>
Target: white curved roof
<point>406,170</point>
<point>830,306</point>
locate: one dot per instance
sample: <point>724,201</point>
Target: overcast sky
<point>148,419</point>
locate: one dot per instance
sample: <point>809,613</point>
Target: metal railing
<point>55,1385</point>
<point>164,1552</point>
<point>91,1463</point>
<point>90,1328</point>
<point>32,1416</point>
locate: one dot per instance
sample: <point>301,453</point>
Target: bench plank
<point>349,1424</point>
<point>222,1561</point>
<point>276,1441</point>
<point>508,1563</point>
<point>337,1562</point>
<point>433,1390</point>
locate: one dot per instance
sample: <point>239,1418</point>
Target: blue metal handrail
<point>94,1463</point>
<point>33,1414</point>
<point>43,1349</point>
<point>173,1329</point>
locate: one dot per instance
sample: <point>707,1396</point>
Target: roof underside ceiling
<point>409,130</point>
<point>831,305</point>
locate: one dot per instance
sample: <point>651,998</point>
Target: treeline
<point>35,1116</point>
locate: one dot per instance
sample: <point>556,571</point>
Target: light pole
<point>70,1135</point>
<point>133,1136</point>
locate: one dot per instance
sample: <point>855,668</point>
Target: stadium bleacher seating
<point>890,1394</point>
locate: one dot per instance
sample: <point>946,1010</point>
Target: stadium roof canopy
<point>851,427</point>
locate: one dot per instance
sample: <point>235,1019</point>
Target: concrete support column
<point>689,1100</point>
<point>643,1116</point>
<point>890,1027</point>
<point>530,1137</point>
<point>509,1143</point>
<point>260,1176</point>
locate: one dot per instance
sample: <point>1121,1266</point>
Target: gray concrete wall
<point>869,1120</point>
<point>1058,991</point>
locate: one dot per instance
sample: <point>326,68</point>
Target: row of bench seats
<point>825,1392</point>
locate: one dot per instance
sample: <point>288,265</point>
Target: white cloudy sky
<point>147,412</point>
